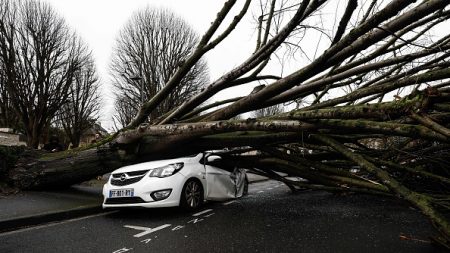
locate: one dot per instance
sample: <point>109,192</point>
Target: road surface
<point>269,219</point>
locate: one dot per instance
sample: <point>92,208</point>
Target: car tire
<point>191,195</point>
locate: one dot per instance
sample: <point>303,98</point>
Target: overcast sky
<point>99,21</point>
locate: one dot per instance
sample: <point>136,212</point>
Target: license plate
<point>121,193</point>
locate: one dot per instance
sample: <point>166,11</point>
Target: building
<point>9,138</point>
<point>89,135</point>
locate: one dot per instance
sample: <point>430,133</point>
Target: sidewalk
<point>31,208</point>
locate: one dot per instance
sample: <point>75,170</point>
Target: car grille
<point>131,177</point>
<point>131,173</point>
<point>119,182</point>
<point>124,200</point>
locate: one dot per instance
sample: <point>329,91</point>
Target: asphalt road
<point>269,219</point>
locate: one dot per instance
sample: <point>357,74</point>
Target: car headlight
<point>167,170</point>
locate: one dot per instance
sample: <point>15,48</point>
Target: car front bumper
<point>142,192</point>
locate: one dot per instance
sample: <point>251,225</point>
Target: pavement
<point>31,208</point>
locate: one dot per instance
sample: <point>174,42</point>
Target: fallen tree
<point>373,112</point>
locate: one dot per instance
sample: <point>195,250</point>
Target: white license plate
<point>121,193</point>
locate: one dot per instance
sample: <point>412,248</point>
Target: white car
<point>184,182</point>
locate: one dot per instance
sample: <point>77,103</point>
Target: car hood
<point>150,165</point>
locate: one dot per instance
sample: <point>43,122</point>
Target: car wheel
<point>191,195</point>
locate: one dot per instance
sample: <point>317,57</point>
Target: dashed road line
<point>202,212</point>
<point>260,192</point>
<point>229,202</point>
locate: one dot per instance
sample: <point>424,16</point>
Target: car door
<point>221,182</point>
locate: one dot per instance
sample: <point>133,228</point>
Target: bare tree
<point>268,111</point>
<point>125,110</point>
<point>81,111</point>
<point>8,116</point>
<point>149,49</point>
<point>380,77</point>
<point>41,55</point>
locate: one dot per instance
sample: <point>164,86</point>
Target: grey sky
<point>99,21</point>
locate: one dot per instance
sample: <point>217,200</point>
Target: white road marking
<point>177,227</point>
<point>270,188</point>
<point>209,215</point>
<point>55,223</point>
<point>195,220</point>
<point>229,202</point>
<point>146,229</point>
<point>122,250</point>
<point>146,240</point>
<point>202,212</point>
<point>260,192</point>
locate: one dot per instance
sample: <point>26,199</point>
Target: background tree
<point>148,51</point>
<point>268,111</point>
<point>41,55</point>
<point>125,110</point>
<point>8,116</point>
<point>81,111</point>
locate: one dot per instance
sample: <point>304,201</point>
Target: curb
<point>43,218</point>
<point>60,215</point>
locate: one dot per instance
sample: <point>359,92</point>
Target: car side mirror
<point>213,158</point>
